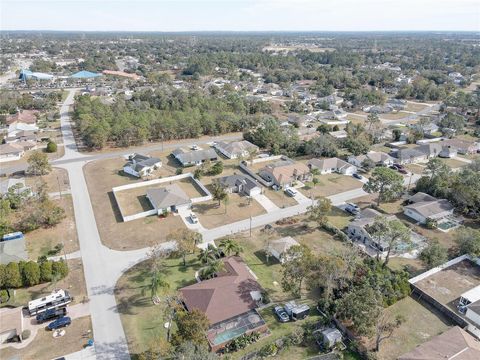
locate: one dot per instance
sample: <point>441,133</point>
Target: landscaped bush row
<point>23,274</point>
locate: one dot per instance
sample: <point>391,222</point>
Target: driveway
<point>267,204</point>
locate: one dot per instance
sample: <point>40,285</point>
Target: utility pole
<point>250,225</point>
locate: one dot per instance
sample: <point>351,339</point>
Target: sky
<point>240,15</point>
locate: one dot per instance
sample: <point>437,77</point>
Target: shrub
<point>26,334</point>
<point>31,274</point>
<point>60,269</point>
<point>268,350</point>
<point>431,223</point>
<point>51,147</point>
<point>46,271</point>
<point>179,171</point>
<point>4,297</point>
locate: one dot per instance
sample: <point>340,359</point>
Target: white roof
<point>55,295</point>
<point>472,295</point>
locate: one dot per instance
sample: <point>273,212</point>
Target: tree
<point>51,147</point>
<point>157,282</point>
<point>368,164</point>
<point>59,269</point>
<point>387,182</point>
<point>188,350</point>
<point>230,246</point>
<point>433,255</point>
<point>186,241</point>
<point>212,268</point>
<point>216,169</point>
<point>13,277</point>
<point>436,167</point>
<point>46,269</point>
<point>298,267</point>
<point>218,192</point>
<point>31,273</point>
<point>391,232</point>
<point>38,163</point>
<point>191,326</point>
<point>361,307</point>
<point>468,241</point>
<point>384,327</point>
<point>318,212</point>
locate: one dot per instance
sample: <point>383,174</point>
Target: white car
<point>193,218</point>
<point>194,147</point>
<point>291,192</point>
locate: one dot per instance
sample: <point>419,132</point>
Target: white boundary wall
<point>126,218</point>
<point>438,269</point>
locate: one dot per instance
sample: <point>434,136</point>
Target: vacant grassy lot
<point>74,283</point>
<point>394,115</point>
<point>420,325</point>
<point>453,163</point>
<point>45,347</point>
<point>330,184</point>
<point>279,198</point>
<point>355,119</point>
<point>56,180</point>
<point>415,168</point>
<point>411,106</point>
<point>41,241</point>
<point>142,320</point>
<point>113,231</point>
<point>238,208</point>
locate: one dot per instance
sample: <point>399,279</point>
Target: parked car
<point>59,323</point>
<point>352,208</point>
<point>281,314</point>
<point>50,314</point>
<point>193,218</point>
<point>291,192</point>
<point>403,171</point>
<point>194,147</point>
<point>357,176</point>
<point>398,166</point>
<point>393,167</point>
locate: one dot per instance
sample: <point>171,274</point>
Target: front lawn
<point>330,184</point>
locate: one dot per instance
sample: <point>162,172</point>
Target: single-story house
<point>378,158</point>
<point>241,184</point>
<point>423,206</point>
<point>340,134</point>
<point>461,146</point>
<point>141,165</point>
<point>23,116</point>
<point>358,229</point>
<point>11,152</point>
<point>410,156</point>
<point>285,172</point>
<point>229,301</point>
<point>13,251</point>
<point>168,198</point>
<point>473,315</point>
<point>327,166</point>
<point>455,343</point>
<point>236,149</point>
<point>278,248</point>
<point>194,157</point>
<point>11,323</point>
<point>21,135</point>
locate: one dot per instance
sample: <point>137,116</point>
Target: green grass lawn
<point>142,320</point>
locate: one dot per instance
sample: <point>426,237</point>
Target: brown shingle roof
<point>225,296</point>
<point>454,343</point>
<point>24,116</point>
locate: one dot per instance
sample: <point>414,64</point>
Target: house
<point>278,248</point>
<point>358,229</point>
<point>378,109</point>
<point>410,156</point>
<point>236,149</point>
<point>377,157</point>
<point>473,316</point>
<point>23,116</point>
<point>455,343</point>
<point>141,165</point>
<point>229,302</point>
<point>423,207</point>
<point>285,172</point>
<point>168,198</point>
<point>194,157</point>
<point>461,146</point>
<point>21,135</point>
<point>327,166</point>
<point>241,184</point>
<point>11,152</point>
<point>340,134</point>
<point>11,323</point>
<point>13,251</point>
<point>397,104</point>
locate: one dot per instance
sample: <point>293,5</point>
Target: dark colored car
<point>59,323</point>
<point>50,314</point>
<point>403,171</point>
<point>398,166</point>
<point>393,167</point>
<point>281,314</point>
<point>357,176</point>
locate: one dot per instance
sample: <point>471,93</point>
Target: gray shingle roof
<point>171,195</point>
<point>189,157</point>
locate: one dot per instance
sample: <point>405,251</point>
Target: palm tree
<point>218,192</point>
<point>230,246</point>
<point>213,267</point>
<point>156,283</point>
